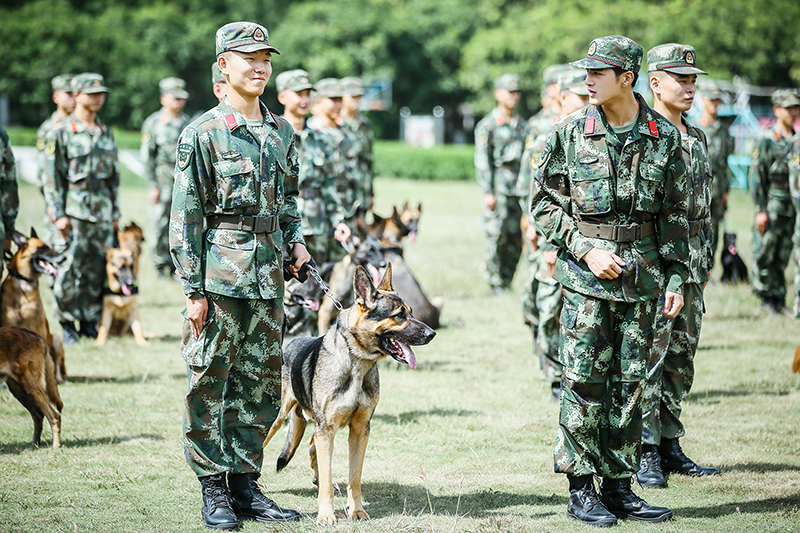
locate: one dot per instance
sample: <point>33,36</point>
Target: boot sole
<point>264,519</point>
<point>652,484</point>
<point>606,522</point>
<point>224,527</point>
<point>634,518</point>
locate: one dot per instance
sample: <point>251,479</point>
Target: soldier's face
<point>247,72</point>
<point>787,115</point>
<point>711,105</point>
<point>91,102</point>
<point>506,98</point>
<point>351,103</point>
<point>571,102</point>
<point>175,105</point>
<point>604,86</point>
<point>296,103</point>
<point>64,100</point>
<point>330,107</point>
<point>676,91</point>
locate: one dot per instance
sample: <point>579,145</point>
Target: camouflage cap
<point>329,88</point>
<point>573,80</point>
<point>293,80</point>
<point>613,51</point>
<point>173,86</point>
<point>243,37</point>
<point>88,83</point>
<point>62,82</point>
<point>710,89</point>
<point>508,81</point>
<point>216,74</point>
<point>673,57</point>
<point>785,98</point>
<point>551,73</point>
<point>352,86</point>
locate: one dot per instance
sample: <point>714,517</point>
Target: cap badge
<point>592,48</point>
<point>96,83</point>
<point>690,58</point>
<point>303,80</point>
<point>258,35</point>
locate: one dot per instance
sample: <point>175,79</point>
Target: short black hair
<point>620,71</point>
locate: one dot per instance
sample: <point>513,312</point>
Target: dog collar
<point>15,274</point>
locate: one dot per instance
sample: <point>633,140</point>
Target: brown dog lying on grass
<point>27,369</point>
<point>333,380</point>
<point>120,298</point>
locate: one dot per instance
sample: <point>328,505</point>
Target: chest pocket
<point>650,187</point>
<point>236,183</point>
<point>78,154</point>
<point>591,185</point>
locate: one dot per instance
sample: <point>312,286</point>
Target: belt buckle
<point>259,224</point>
<point>626,233</point>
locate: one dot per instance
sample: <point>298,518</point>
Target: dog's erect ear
<point>18,238</point>
<point>405,205</point>
<point>419,207</point>
<point>33,233</point>
<point>395,214</point>
<point>386,282</point>
<point>364,289</point>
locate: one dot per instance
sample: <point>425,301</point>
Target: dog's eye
<point>401,315</point>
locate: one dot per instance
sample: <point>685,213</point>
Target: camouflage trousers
<point>159,221</point>
<point>717,218</point>
<point>796,260</point>
<point>604,348</point>
<point>503,240</point>
<point>78,289</point>
<point>771,254</point>
<point>671,369</point>
<point>530,313</point>
<point>234,384</point>
<point>548,301</point>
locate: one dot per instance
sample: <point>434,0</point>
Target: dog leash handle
<point>324,286</point>
<point>302,274</point>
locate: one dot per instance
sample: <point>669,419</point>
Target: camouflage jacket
<point>699,177</point>
<point>362,132</point>
<point>318,201</point>
<point>720,146</point>
<point>498,149</point>
<point>582,179</point>
<point>770,174</point>
<point>9,200</point>
<point>349,182</point>
<point>159,144</point>
<point>534,148</point>
<point>81,172</point>
<point>45,128</point>
<point>223,168</point>
<point>794,184</point>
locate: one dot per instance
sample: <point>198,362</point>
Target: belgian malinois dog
<point>20,302</point>
<point>27,369</point>
<point>131,238</point>
<point>333,380</point>
<point>120,305</point>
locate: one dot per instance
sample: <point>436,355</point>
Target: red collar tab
<point>499,119</point>
<point>74,127</point>
<point>653,128</point>
<point>777,135</point>
<point>231,121</point>
<point>589,128</point>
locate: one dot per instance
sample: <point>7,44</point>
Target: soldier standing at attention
<point>610,193</point>
<point>499,142</point>
<point>673,75</point>
<point>772,237</point>
<point>720,146</point>
<point>81,185</point>
<point>160,133</point>
<point>352,119</point>
<point>234,206</point>
<point>9,200</point>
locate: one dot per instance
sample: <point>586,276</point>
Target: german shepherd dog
<point>410,216</point>
<point>131,238</point>
<point>733,268</point>
<point>20,301</point>
<point>120,305</point>
<point>333,380</point>
<point>27,368</point>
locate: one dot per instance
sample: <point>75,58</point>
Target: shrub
<point>441,163</point>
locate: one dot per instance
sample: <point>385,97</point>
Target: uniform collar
<point>500,120</point>
<point>597,125</point>
<point>76,126</point>
<point>234,119</point>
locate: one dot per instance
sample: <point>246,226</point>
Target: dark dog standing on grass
<point>333,380</point>
<point>733,268</point>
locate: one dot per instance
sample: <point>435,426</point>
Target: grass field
<point>462,444</point>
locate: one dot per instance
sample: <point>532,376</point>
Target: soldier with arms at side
<point>352,119</point>
<point>9,200</point>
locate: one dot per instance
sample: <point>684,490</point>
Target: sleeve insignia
<point>529,142</point>
<point>50,149</point>
<point>756,152</point>
<point>185,152</point>
<point>40,144</point>
<point>796,159</point>
<point>546,154</point>
<point>145,137</point>
<point>483,138</point>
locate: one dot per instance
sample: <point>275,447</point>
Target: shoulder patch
<point>483,138</point>
<point>50,148</point>
<point>185,152</point>
<point>795,159</point>
<point>756,152</point>
<point>145,137</point>
<point>548,149</point>
<point>40,143</point>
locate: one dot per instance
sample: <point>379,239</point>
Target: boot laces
<point>677,451</point>
<point>651,460</point>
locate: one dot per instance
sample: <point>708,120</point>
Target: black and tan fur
<point>20,301</point>
<point>131,238</point>
<point>333,381</point>
<point>120,298</point>
<point>27,369</point>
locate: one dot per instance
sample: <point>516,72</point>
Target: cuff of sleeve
<point>196,295</point>
<point>675,284</point>
<point>580,247</point>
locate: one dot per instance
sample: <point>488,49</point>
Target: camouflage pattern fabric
<point>9,199</point>
<point>498,149</point>
<point>720,146</point>
<point>548,303</point>
<point>234,384</point>
<point>772,251</point>
<point>48,233</point>
<point>794,189</point>
<point>223,168</point>
<point>698,172</point>
<point>159,145</point>
<point>364,138</point>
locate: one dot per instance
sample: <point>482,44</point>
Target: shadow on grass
<point>19,447</point>
<point>766,505</point>
<point>413,416</point>
<point>111,379</point>
<point>715,394</point>
<point>761,467</point>
<point>394,499</point>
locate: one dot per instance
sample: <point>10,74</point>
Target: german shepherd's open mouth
<point>399,350</point>
<point>45,260</point>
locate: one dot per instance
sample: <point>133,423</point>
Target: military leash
<point>310,269</point>
<point>324,286</point>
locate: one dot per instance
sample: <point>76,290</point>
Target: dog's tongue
<point>413,237</point>
<point>48,268</point>
<point>408,354</point>
<point>376,275</point>
<point>126,290</point>
<point>312,304</point>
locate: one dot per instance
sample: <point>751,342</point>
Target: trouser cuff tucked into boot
<point>674,460</point>
<point>217,512</point>
<point>584,505</point>
<point>617,496</point>
<point>250,504</point>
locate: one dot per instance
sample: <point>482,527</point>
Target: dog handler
<point>611,195</point>
<point>9,199</point>
<point>234,206</point>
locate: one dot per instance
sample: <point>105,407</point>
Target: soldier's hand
<point>301,256</point>
<point>197,311</point>
<point>489,201</point>
<point>155,195</point>
<point>673,303</point>
<point>762,221</point>
<point>342,232</point>
<point>63,226</point>
<point>550,257</point>
<point>604,264</point>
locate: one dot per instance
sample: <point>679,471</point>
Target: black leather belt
<point>695,227</point>
<point>89,184</point>
<point>782,185</point>
<point>248,223</point>
<point>618,233</point>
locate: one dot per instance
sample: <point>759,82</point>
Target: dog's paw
<point>359,514</point>
<point>142,342</point>
<point>326,518</point>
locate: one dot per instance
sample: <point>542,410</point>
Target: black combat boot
<point>584,504</point>
<point>88,329</point>
<point>650,474</point>
<point>674,460</point>
<point>250,504</point>
<point>217,512</point>
<point>69,333</point>
<point>555,391</point>
<point>617,496</point>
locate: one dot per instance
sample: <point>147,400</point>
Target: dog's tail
<point>50,379</point>
<point>796,364</point>
<point>297,426</point>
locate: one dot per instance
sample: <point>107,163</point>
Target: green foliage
<point>440,163</point>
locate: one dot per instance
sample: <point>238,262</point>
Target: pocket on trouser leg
<point>195,351</point>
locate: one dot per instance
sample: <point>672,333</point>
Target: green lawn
<point>462,444</point>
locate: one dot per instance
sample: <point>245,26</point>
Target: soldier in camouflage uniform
<point>720,146</point>
<point>352,119</point>
<point>673,76</point>
<point>160,133</point>
<point>65,105</point>
<point>234,207</point>
<point>542,123</point>
<point>218,83</point>
<point>9,200</point>
<point>81,185</point>
<point>542,291</point>
<point>610,193</point>
<point>499,142</point>
<point>794,189</point>
<point>775,215</point>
